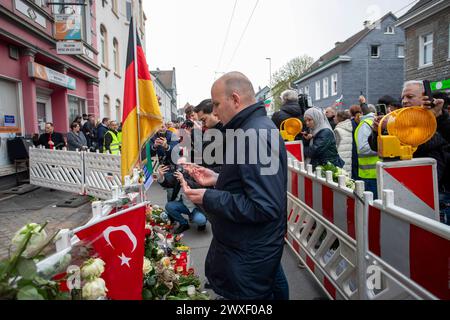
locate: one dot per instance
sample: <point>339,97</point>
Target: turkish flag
<point>119,241</point>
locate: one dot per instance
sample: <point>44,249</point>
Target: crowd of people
<point>85,134</point>
<point>349,138</point>
<point>247,210</point>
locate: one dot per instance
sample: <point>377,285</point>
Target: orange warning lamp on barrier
<point>408,128</point>
<point>291,128</point>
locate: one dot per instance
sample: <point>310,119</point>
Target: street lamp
<point>270,71</point>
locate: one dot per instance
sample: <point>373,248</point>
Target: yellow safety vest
<point>116,144</point>
<point>367,163</point>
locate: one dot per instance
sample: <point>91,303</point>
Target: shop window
<point>77,106</point>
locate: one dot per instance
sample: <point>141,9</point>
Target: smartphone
<point>428,92</point>
<point>381,109</point>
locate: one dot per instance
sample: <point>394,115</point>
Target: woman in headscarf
<point>320,143</point>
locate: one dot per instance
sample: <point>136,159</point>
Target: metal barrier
<point>102,173</point>
<point>322,224</point>
<point>55,169</point>
<point>357,248</point>
<point>409,252</point>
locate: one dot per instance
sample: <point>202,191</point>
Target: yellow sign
<point>408,128</point>
<point>291,128</point>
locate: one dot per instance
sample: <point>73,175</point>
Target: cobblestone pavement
<point>38,206</point>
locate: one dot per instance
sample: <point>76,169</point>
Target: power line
<point>243,33</point>
<point>226,36</point>
<point>411,3</point>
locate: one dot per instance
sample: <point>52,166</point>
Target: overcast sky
<point>189,35</point>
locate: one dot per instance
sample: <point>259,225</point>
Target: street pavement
<point>40,205</point>
<point>301,284</point>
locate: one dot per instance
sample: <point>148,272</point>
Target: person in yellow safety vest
<point>367,158</point>
<point>113,140</point>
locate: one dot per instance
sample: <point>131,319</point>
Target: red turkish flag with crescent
<point>119,241</point>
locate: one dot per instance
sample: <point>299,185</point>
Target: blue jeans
<point>281,286</point>
<point>176,209</point>
<point>371,185</point>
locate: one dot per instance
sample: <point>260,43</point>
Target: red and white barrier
<point>344,238</point>
<point>322,229</point>
<point>414,183</point>
<point>295,151</point>
<point>412,250</point>
<point>335,202</point>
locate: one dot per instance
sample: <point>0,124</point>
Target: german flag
<point>150,114</point>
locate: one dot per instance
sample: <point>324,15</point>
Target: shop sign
<point>67,27</point>
<point>10,121</point>
<point>36,70</point>
<point>69,47</point>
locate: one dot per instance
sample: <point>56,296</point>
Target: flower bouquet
<point>349,183</point>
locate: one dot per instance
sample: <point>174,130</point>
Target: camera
<point>176,168</point>
<point>381,109</point>
<point>160,135</point>
<point>188,124</point>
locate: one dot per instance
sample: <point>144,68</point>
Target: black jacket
<point>57,139</point>
<point>323,150</point>
<point>287,111</point>
<point>247,212</point>
<point>213,166</point>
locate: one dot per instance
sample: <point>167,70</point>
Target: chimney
<point>337,43</point>
<point>367,23</point>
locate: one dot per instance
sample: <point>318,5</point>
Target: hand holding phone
<point>428,94</point>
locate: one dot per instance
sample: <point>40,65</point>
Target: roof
<point>419,5</point>
<point>340,49</point>
<point>421,10</point>
<point>165,77</point>
<point>344,47</point>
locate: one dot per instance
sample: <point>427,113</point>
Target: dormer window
<point>390,30</point>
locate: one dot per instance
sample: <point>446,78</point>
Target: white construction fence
<point>94,174</point>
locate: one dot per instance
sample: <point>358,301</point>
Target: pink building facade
<point>27,42</point>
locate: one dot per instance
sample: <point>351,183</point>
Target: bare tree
<point>290,72</point>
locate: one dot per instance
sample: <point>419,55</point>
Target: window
<point>10,105</point>
<point>401,51</point>
<point>118,111</point>
<point>300,91</point>
<point>426,50</point>
<point>114,6</point>
<point>128,10</point>
<point>325,88</point>
<point>334,83</point>
<point>307,90</point>
<point>375,51</point>
<point>116,56</point>
<point>106,107</point>
<point>104,45</point>
<point>39,2</point>
<point>77,107</point>
<point>317,90</point>
<point>390,30</point>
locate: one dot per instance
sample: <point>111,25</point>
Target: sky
<point>190,36</point>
